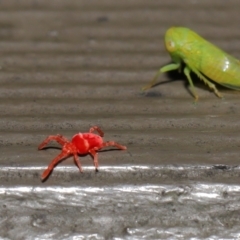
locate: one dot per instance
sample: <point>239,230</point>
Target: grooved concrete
<point>68,65</point>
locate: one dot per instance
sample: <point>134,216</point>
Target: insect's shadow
<point>175,76</point>
<point>80,155</point>
<point>199,84</point>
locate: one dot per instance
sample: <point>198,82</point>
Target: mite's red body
<point>81,143</point>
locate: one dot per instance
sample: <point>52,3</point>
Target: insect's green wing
<point>221,67</point>
<point>202,56</point>
<point>228,73</point>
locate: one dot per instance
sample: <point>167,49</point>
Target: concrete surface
<point>68,65</point>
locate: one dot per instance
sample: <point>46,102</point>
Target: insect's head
<point>173,42</point>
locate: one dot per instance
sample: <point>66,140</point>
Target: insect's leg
<point>96,128</point>
<point>192,88</point>
<point>208,83</point>
<point>55,161</point>
<point>169,67</point>
<point>95,158</point>
<point>77,161</point>
<point>59,138</point>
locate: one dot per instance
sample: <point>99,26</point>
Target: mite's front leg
<point>58,138</point>
<point>52,164</point>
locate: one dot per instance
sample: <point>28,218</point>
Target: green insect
<point>201,57</point>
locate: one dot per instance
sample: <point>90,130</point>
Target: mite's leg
<point>94,153</point>
<point>192,88</point>
<point>167,68</point>
<point>114,144</point>
<point>208,83</point>
<point>54,162</point>
<point>77,161</point>
<point>95,158</point>
<point>59,138</point>
<point>96,128</point>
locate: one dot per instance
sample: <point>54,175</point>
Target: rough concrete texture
<point>68,65</point>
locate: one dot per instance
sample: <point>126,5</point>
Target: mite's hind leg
<point>192,88</point>
<point>95,158</point>
<point>209,84</point>
<point>77,161</point>
<point>96,128</point>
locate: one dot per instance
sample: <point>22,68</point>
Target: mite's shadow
<point>80,155</point>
